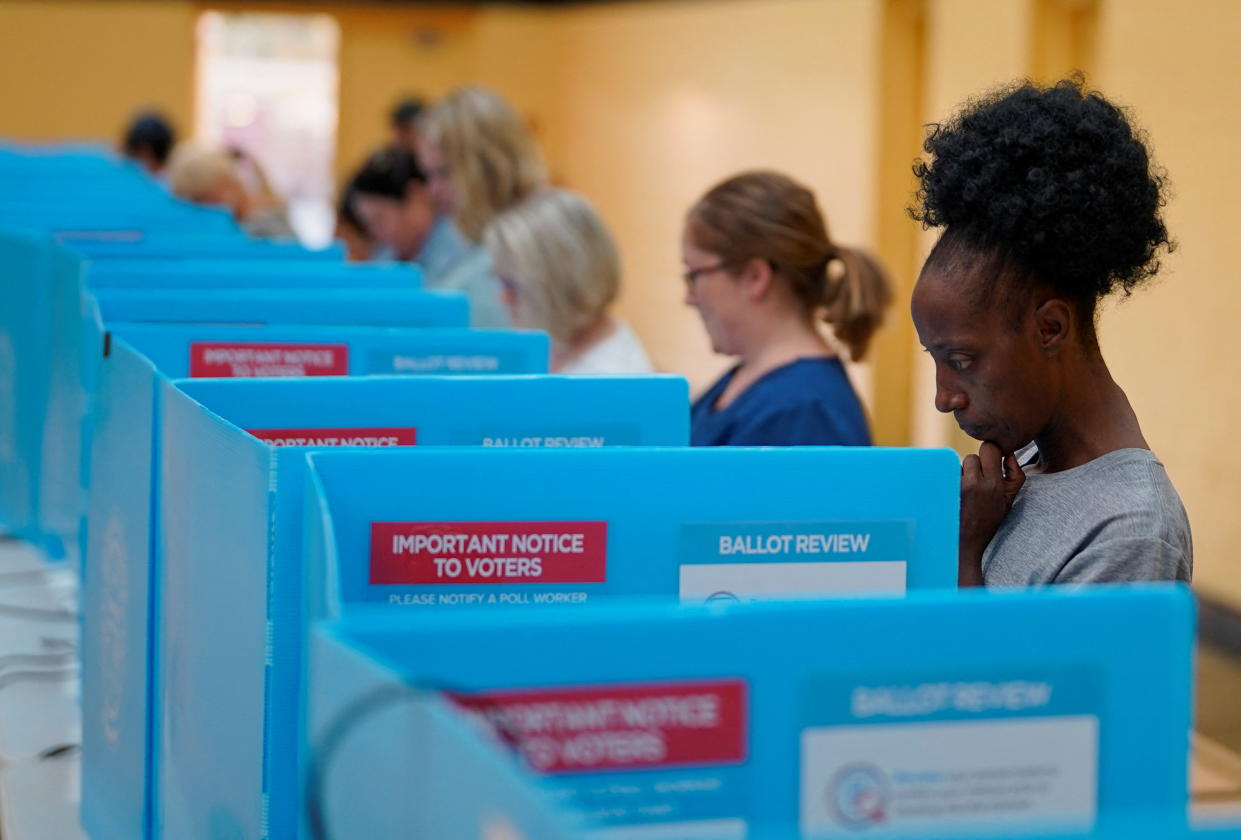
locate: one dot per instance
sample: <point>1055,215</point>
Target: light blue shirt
<point>450,261</point>
<point>444,246</point>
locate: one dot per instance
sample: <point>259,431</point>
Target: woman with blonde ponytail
<point>762,271</point>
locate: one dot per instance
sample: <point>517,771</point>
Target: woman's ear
<point>757,276</point>
<point>1055,319</point>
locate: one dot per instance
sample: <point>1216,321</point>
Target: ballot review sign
<point>399,361</point>
<point>933,753</point>
<point>754,561</point>
<point>233,359</point>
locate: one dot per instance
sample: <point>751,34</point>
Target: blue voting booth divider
<point>419,530</point>
<point>118,607</point>
<point>41,395</point>
<point>231,544</point>
<point>244,273</point>
<point>366,306</point>
<point>230,350</point>
<point>942,715</point>
<point>129,224</point>
<point>116,602</point>
<point>188,247</point>
<point>65,463</point>
<point>722,523</point>
<point>423,796</point>
<point>24,351</point>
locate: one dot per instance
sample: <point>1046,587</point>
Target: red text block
<point>403,436</point>
<point>635,726</point>
<point>230,359</point>
<point>488,552</point>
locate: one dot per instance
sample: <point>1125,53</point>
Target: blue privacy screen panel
<point>24,351</point>
<point>189,246</point>
<point>228,351</point>
<point>125,224</point>
<point>430,529</point>
<point>366,710</point>
<point>942,715</point>
<point>116,601</point>
<point>75,354</point>
<point>389,307</point>
<point>203,563</point>
<point>245,273</point>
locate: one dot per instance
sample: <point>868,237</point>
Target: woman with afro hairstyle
<point>1049,203</point>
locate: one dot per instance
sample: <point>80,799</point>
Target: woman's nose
<point>949,399</point>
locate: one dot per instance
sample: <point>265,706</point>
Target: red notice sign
<point>488,552</point>
<point>233,359</point>
<point>403,436</point>
<point>632,726</point>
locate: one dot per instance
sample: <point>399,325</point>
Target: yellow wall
<point>79,69</point>
<point>1172,346</point>
<point>665,99</point>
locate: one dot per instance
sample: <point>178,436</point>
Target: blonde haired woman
<point>480,160</point>
<point>560,273</point>
<point>761,270</point>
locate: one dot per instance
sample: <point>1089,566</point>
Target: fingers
<point>991,457</point>
<point>1014,476</point>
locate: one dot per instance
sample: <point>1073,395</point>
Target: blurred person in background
<point>360,246</point>
<point>404,122</point>
<point>480,160</point>
<point>148,140</point>
<point>390,199</point>
<point>215,177</point>
<point>559,272</point>
<point>761,270</point>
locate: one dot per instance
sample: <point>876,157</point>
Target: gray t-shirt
<point>1116,518</point>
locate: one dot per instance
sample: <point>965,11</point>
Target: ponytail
<point>769,216</point>
<point>856,292</point>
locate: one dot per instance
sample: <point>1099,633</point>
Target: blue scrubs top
<point>808,402</point>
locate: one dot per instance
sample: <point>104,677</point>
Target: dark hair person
<point>390,198</point>
<point>403,118</point>
<point>761,270</point>
<point>1049,203</point>
<point>149,139</point>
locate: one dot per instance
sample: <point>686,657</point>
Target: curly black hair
<point>1053,179</point>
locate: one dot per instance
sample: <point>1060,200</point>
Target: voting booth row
<point>350,568</point>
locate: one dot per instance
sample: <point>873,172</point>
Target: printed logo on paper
<point>858,796</point>
<point>626,726</point>
<point>488,552</point>
<point>246,359</point>
<point>370,437</point>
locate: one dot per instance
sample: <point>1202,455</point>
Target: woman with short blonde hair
<point>560,272</point>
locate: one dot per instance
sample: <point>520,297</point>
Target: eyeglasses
<point>693,274</point>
